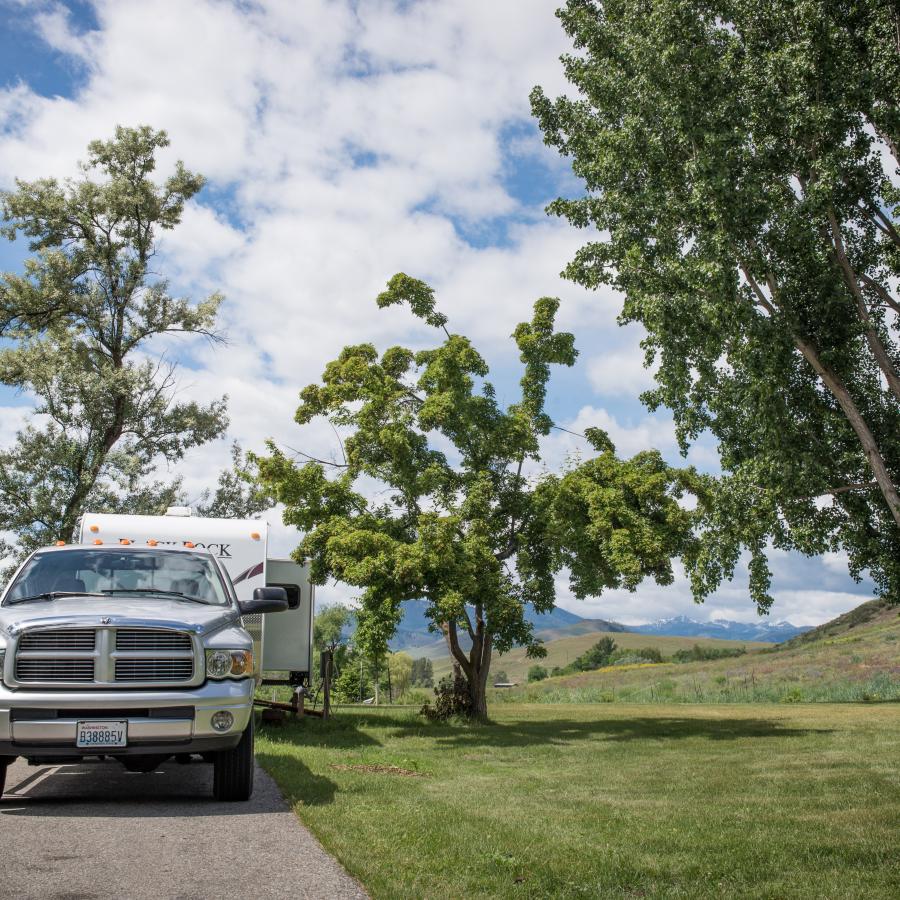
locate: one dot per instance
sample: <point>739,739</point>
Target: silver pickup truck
<point>135,653</point>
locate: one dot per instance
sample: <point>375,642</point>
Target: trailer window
<point>121,572</point>
<point>293,594</point>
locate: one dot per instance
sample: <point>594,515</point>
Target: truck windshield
<point>144,573</point>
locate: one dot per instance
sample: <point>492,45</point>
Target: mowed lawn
<point>770,801</point>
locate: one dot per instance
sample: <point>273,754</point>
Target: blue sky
<point>344,142</point>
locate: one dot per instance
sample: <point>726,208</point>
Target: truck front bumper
<point>43,723</point>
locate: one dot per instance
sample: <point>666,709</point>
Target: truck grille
<point>104,657</point>
<point>151,641</point>
<point>69,671</point>
<point>80,640</point>
<point>154,669</point>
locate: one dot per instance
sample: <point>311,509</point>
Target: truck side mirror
<point>265,600</point>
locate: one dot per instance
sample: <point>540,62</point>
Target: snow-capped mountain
<point>772,632</point>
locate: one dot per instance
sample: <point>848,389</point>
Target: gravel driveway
<point>93,830</point>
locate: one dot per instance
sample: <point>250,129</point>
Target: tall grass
<point>743,689</point>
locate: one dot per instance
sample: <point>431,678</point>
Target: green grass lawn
<point>604,800</point>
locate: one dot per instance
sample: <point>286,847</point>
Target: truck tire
<point>233,770</point>
<point>4,763</point>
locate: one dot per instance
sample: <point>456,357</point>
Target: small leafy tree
<point>537,673</point>
<point>422,672</point>
<point>400,666</point>
<point>353,683</point>
<point>471,535</point>
<point>329,626</point>
<point>738,159</point>
<point>597,656</point>
<point>237,495</point>
<point>77,328</point>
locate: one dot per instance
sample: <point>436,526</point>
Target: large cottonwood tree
<point>740,160</point>
<point>78,325</point>
<point>453,515</point>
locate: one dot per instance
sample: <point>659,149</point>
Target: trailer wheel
<point>233,769</point>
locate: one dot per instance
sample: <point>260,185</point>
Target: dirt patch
<point>380,770</point>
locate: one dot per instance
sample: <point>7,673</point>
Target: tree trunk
<point>474,666</point>
<point>859,425</point>
<point>839,391</point>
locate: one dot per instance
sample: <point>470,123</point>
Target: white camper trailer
<point>240,545</point>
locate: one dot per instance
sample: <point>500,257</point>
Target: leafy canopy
<point>459,519</point>
<point>78,325</point>
<point>737,158</point>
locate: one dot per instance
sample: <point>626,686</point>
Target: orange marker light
<point>94,529</point>
<point>125,541</point>
<point>98,541</point>
<point>189,544</point>
<point>254,535</point>
<point>152,543</point>
<point>60,543</point>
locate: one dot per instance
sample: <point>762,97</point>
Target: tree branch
<point>847,488</point>
<point>872,337</point>
<point>323,462</point>
<point>881,292</point>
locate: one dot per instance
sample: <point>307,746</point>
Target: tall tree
<point>473,535</point>
<point>78,325</point>
<point>738,158</point>
<point>400,666</point>
<point>237,495</point>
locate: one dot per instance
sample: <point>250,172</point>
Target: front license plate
<point>101,734</point>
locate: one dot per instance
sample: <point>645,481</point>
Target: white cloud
<point>620,373</point>
<point>656,431</point>
<point>344,142</point>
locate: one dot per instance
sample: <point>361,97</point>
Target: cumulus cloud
<point>620,373</point>
<point>343,142</point>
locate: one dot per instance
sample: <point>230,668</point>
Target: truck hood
<point>122,611</point>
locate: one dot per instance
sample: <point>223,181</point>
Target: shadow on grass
<point>297,782</point>
<point>564,731</point>
<point>360,730</point>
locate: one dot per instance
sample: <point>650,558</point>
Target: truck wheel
<point>4,763</point>
<point>233,769</point>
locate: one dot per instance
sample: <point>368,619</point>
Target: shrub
<point>597,656</point>
<point>699,654</point>
<point>537,673</point>
<point>500,677</point>
<point>451,698</point>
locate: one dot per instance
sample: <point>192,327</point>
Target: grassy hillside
<point>876,614</point>
<point>856,657</point>
<point>576,802</point>
<point>562,651</point>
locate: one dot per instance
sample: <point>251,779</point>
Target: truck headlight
<point>229,663</point>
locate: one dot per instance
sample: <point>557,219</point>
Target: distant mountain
<point>413,628</point>
<point>682,626</point>
<point>412,632</point>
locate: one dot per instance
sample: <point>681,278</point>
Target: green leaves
<point>420,297</point>
<point>735,157</point>
<point>77,324</point>
<point>477,538</point>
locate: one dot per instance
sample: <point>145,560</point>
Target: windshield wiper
<point>52,595</point>
<point>162,593</point>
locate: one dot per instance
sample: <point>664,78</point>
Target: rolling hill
<point>854,657</point>
<point>562,651</point>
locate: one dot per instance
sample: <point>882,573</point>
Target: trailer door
<point>288,635</point>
